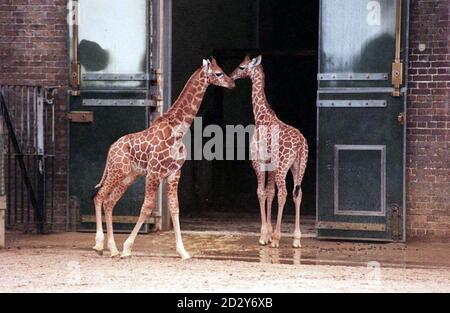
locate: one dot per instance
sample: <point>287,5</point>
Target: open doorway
<point>285,33</point>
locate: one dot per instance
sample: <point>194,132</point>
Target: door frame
<point>159,51</point>
<point>404,90</point>
<point>163,58</point>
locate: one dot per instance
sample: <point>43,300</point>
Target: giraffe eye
<point>219,74</point>
<point>242,68</point>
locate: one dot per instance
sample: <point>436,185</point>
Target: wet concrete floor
<point>242,246</point>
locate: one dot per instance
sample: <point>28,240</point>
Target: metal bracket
<point>352,76</point>
<point>114,77</point>
<point>124,219</point>
<point>81,116</point>
<point>351,103</point>
<point>351,226</point>
<point>49,94</point>
<point>119,102</point>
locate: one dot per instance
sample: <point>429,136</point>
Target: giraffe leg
<point>110,232</point>
<point>270,192</point>
<point>261,191</point>
<point>99,201</point>
<point>282,192</point>
<point>297,202</point>
<point>151,187</point>
<point>172,190</point>
<point>99,236</point>
<point>298,171</point>
<point>115,196</point>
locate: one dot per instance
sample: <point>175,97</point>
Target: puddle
<point>245,248</point>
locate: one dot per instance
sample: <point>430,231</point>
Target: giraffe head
<point>215,75</point>
<point>246,68</point>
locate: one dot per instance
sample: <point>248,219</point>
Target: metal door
<point>114,91</point>
<point>361,119</point>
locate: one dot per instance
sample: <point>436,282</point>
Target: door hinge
<point>397,77</point>
<point>157,83</point>
<point>401,118</point>
<point>75,78</point>
<point>75,67</point>
<point>81,116</point>
<point>397,65</point>
<point>395,222</point>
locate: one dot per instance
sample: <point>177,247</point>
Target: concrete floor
<point>227,262</point>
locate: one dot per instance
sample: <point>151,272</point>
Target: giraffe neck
<point>261,106</point>
<point>185,108</point>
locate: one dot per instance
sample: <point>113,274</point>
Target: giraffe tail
<point>97,187</point>
<point>301,162</point>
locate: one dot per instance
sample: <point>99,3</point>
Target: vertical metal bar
<point>75,66</point>
<point>35,157</point>
<point>8,196</point>
<point>397,65</point>
<point>40,122</point>
<point>28,164</point>
<point>28,118</point>
<point>22,139</point>
<point>2,181</point>
<point>40,173</point>
<point>14,124</point>
<point>21,116</point>
<point>34,119</point>
<point>398,31</point>
<point>53,149</point>
<point>53,127</point>
<point>44,158</point>
<point>53,190</point>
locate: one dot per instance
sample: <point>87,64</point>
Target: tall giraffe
<point>276,148</point>
<point>156,152</point>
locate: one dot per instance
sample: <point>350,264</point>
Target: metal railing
<point>28,156</point>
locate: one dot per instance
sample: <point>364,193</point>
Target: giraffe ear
<point>206,66</point>
<point>256,61</point>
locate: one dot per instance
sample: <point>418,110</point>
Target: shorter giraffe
<point>157,153</point>
<point>276,148</point>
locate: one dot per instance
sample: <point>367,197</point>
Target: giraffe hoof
<point>185,257</point>
<point>296,243</point>
<point>124,256</point>
<point>275,243</point>
<point>115,254</point>
<point>183,254</point>
<point>263,242</point>
<point>98,250</point>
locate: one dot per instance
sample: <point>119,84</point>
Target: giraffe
<point>275,148</point>
<point>157,153</point>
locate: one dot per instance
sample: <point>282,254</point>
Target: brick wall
<point>33,51</point>
<point>428,139</point>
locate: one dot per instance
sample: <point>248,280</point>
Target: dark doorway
<point>285,33</point>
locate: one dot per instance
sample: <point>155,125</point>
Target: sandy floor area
<point>64,271</point>
<point>64,262</point>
